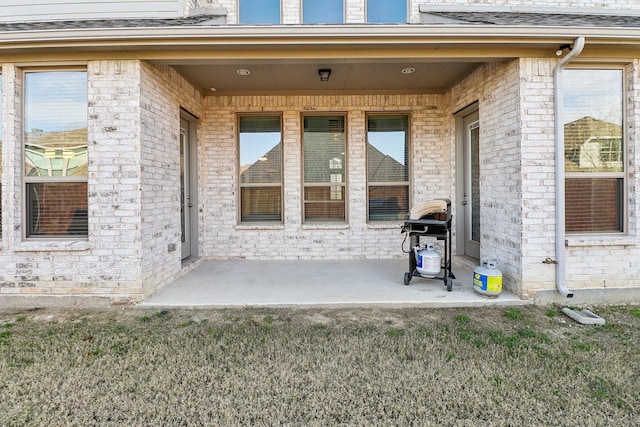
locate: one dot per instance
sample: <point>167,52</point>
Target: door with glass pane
<point>471,196</point>
<point>185,188</point>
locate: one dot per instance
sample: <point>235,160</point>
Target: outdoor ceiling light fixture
<point>563,49</point>
<point>324,74</point>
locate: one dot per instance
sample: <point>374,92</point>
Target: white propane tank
<point>487,279</point>
<point>427,260</point>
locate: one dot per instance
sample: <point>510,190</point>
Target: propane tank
<point>487,279</point>
<point>428,260</point>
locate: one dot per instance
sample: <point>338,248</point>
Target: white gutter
<point>348,34</point>
<point>559,140</point>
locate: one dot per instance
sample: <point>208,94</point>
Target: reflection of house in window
<point>593,144</point>
<point>260,200</point>
<point>384,200</point>
<point>56,153</point>
<point>266,169</point>
<point>56,208</point>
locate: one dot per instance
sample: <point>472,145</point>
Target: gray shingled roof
<point>104,23</point>
<point>479,18</point>
<point>541,19</point>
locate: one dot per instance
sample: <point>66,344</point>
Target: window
<point>387,11</point>
<point>324,147</point>
<point>322,11</point>
<point>388,166</point>
<point>260,155</point>
<point>594,150</point>
<point>259,11</point>
<point>55,153</point>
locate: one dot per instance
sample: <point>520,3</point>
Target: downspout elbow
<point>559,170</point>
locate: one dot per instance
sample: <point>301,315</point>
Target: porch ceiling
<point>269,77</point>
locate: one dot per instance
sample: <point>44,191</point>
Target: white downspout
<point>559,135</point>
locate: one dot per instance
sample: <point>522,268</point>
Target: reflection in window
<point>322,11</point>
<point>387,11</point>
<point>594,150</point>
<point>324,147</point>
<point>259,12</point>
<point>260,142</point>
<point>55,153</point>
<point>388,166</point>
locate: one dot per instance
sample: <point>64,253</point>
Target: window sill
<point>53,246</point>
<point>601,240</point>
<point>325,226</point>
<point>258,226</point>
<point>384,225</point>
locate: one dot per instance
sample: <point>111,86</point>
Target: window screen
<point>324,148</point>
<point>260,142</point>
<point>388,167</point>
<point>55,153</point>
<point>594,150</point>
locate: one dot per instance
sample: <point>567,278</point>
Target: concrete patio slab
<point>238,283</point>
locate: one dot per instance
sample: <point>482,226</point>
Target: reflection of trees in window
<point>594,150</point>
<point>388,166</point>
<point>55,153</point>
<point>260,152</point>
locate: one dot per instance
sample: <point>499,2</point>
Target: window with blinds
<point>260,154</point>
<point>55,153</point>
<point>594,150</point>
<point>387,166</point>
<point>324,147</point>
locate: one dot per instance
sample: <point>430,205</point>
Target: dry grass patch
<point>458,367</point>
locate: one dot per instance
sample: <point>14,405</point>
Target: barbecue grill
<point>429,219</point>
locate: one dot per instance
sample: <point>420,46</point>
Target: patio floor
<point>237,283</point>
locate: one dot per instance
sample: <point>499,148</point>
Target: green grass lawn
<point>529,366</point>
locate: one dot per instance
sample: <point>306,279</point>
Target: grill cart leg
<point>413,262</point>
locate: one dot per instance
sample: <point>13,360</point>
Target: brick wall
<point>108,263</point>
<point>163,93</point>
<point>133,182</point>
<point>496,87</point>
<point>518,182</point>
<point>225,238</point>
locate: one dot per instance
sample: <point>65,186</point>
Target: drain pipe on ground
<point>560,196</point>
